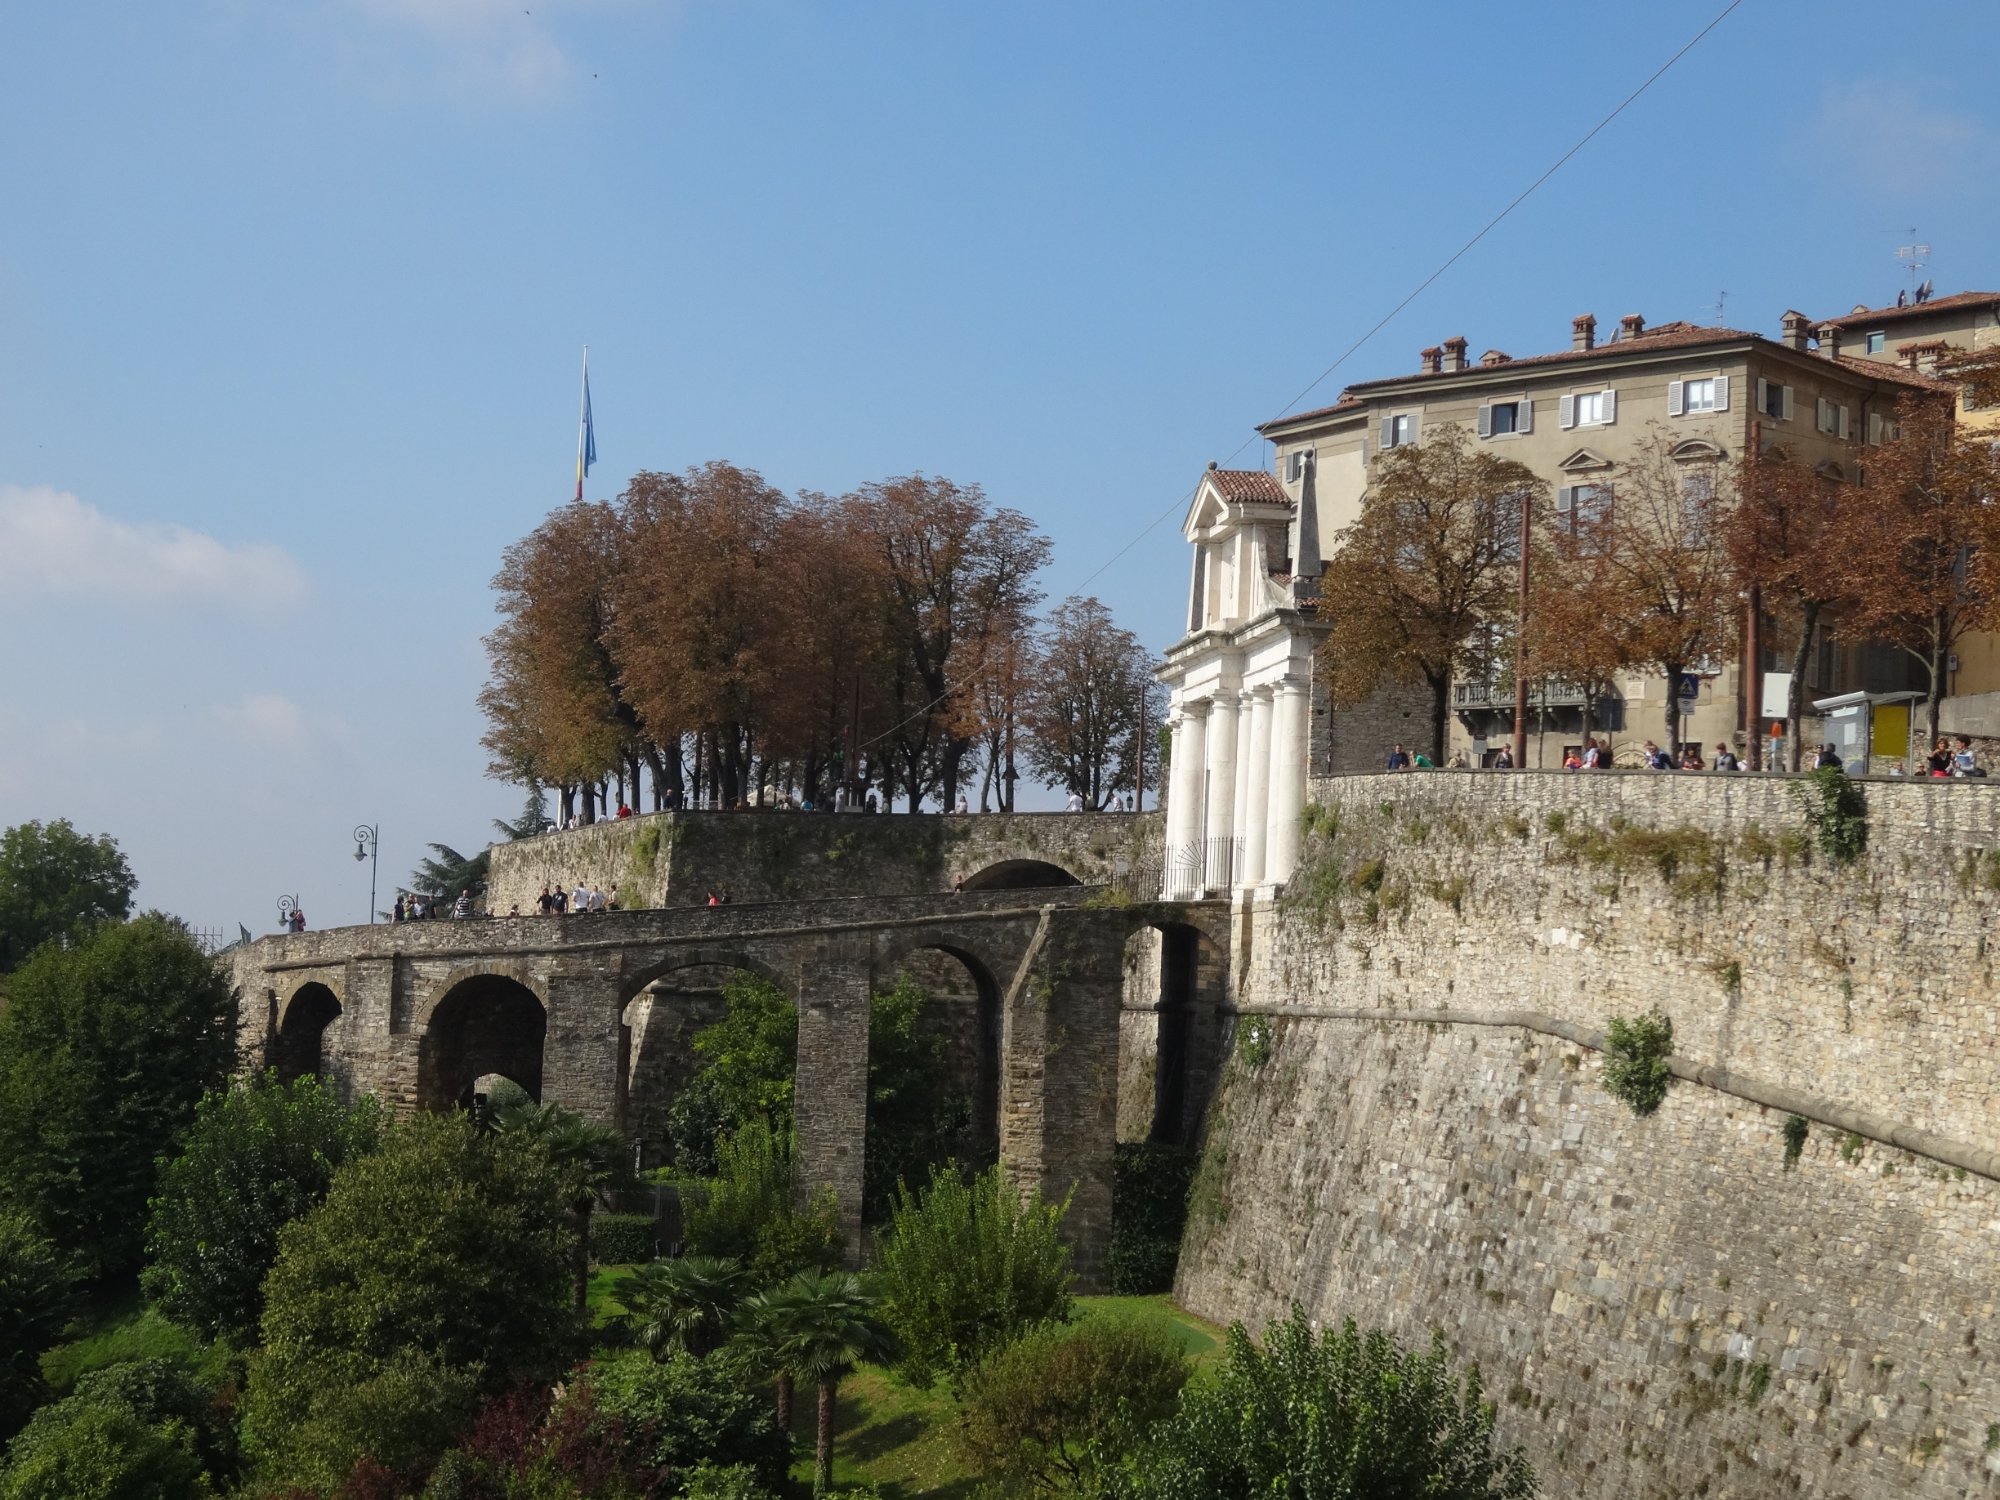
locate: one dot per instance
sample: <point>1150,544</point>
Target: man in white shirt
<point>579,899</point>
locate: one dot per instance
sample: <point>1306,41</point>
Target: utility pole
<point>1521,647</point>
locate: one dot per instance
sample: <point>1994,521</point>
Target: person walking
<point>1399,758</point>
<point>1503,758</point>
<point>1725,759</point>
<point>579,899</point>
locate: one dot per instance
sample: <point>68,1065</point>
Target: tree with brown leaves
<point>1092,686</point>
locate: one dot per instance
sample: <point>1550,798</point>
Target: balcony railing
<point>1543,692</point>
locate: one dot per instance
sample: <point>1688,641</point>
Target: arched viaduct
<point>415,1012</point>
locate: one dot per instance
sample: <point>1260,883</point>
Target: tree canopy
<point>56,883</point>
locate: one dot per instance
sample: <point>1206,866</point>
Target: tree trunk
<point>1440,685</point>
<point>1674,712</point>
<point>1795,692</point>
<point>580,1262</point>
<point>785,1392</point>
<point>1933,700</point>
<point>823,1442</point>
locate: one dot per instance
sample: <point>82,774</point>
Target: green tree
<point>748,1060</point>
<point>105,1049</point>
<point>57,883</point>
<point>446,873</point>
<point>968,1268</point>
<point>917,1115</point>
<point>140,1431</point>
<point>1350,1416</point>
<point>752,1210</point>
<point>37,1301</point>
<point>831,1324</point>
<point>592,1158</point>
<point>685,1303</point>
<point>683,1412</point>
<point>436,1268</point>
<point>1063,1401</point>
<point>258,1155</point>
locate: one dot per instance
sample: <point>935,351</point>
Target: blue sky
<point>292,298</point>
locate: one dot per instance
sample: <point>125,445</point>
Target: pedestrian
<point>1457,761</point>
<point>298,919</point>
<point>559,902</point>
<point>958,886</point>
<point>462,908</point>
<point>1938,762</point>
<point>964,805</point>
<point>546,903</point>
<point>514,910</point>
<point>1691,758</point>
<point>1075,802</point>
<point>1503,758</point>
<point>579,899</point>
<point>1725,759</point>
<point>1399,758</point>
<point>713,899</point>
<point>597,898</point>
<point>1827,758</point>
<point>401,911</point>
<point>1963,762</point>
<point>1572,761</point>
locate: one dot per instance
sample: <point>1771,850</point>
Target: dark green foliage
<point>437,1269</point>
<point>1062,1401</point>
<point>105,1049</point>
<point>1837,812</point>
<point>967,1268</point>
<point>57,884</point>
<point>748,1060</point>
<point>1351,1416</point>
<point>685,1411</point>
<point>687,1303</point>
<point>750,1212</point>
<point>1149,1205</point>
<point>717,1482</point>
<point>623,1239</point>
<point>917,1116</point>
<point>1635,1060</point>
<point>545,1443</point>
<point>257,1156</point>
<point>140,1430</point>
<point>825,1324</point>
<point>37,1301</point>
<point>447,873</point>
<point>590,1158</point>
<point>1796,1129</point>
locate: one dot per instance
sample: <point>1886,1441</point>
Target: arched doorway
<point>1020,875</point>
<point>484,1024</point>
<point>660,1024</point>
<point>300,1046</point>
<point>1169,1033</point>
<point>958,1024</point>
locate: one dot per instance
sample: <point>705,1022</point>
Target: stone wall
<point>1660,1307</point>
<point>676,859</point>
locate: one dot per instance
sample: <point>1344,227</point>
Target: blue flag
<point>586,434</point>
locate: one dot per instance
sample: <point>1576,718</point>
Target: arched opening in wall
<point>300,1046</point>
<point>1020,875</point>
<point>660,1024</point>
<point>1169,1033</point>
<point>933,1071</point>
<point>485,1024</point>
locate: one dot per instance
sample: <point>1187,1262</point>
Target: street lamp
<point>367,845</point>
<point>286,906</point>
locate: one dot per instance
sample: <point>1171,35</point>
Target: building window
<point>1500,521</point>
<point>1698,395</point>
<point>1583,511</point>
<point>1589,409</point>
<point>1830,418</point>
<point>1774,400</point>
<point>1399,430</point>
<point>1702,394</point>
<point>1296,464</point>
<point>1876,341</point>
<point>1697,508</point>
<point>1501,418</point>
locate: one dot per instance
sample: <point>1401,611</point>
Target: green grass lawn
<point>120,1328</point>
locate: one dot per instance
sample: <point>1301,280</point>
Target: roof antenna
<point>1917,258</point>
<point>1717,305</point>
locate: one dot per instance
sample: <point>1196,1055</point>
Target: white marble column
<point>1239,815</point>
<point>1221,789</point>
<point>1288,781</point>
<point>1184,791</point>
<point>1256,778</point>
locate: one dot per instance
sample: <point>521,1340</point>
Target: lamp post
<point>286,906</point>
<point>367,845</point>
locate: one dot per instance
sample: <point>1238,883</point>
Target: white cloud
<point>265,720</point>
<point>1899,135</point>
<point>56,546</point>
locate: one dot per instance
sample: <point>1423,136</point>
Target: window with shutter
<point>1721,393</point>
<point>1485,421</point>
<point>1610,407</point>
<point>1674,407</point>
<point>1388,432</point>
<point>1566,411</point>
<point>1524,420</point>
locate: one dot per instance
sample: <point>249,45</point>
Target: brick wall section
<point>1659,1307</point>
<point>1870,985</point>
<point>676,859</point>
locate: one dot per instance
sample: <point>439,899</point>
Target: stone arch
<point>1019,875</point>
<point>486,1021</point>
<point>483,969</point>
<point>299,1044</point>
<point>958,971</point>
<point>1170,1030</point>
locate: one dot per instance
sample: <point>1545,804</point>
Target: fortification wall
<point>1661,1306</point>
<point>676,859</point>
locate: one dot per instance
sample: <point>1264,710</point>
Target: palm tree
<point>687,1302</point>
<point>592,1159</point>
<point>830,1326</point>
<point>763,1324</point>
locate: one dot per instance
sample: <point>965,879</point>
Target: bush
<point>537,1442</point>
<point>105,1049</point>
<point>1836,811</point>
<point>968,1268</point>
<point>1149,1206</point>
<point>1061,1402</point>
<point>37,1301</point>
<point>623,1239</point>
<point>256,1157</point>
<point>751,1211</point>
<point>684,1411</point>
<point>1635,1060</point>
<point>714,1482</point>
<point>437,1269</point>
<point>749,1058</point>
<point>1349,1415</point>
<point>139,1430</point>
<point>917,1115</point>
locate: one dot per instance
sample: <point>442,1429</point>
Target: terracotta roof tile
<point>1345,404</point>
<point>1880,369</point>
<point>1249,487</point>
<point>1915,310</point>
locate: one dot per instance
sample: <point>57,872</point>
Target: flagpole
<point>582,421</point>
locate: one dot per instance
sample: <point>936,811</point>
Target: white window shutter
<point>1784,403</point>
<point>1416,426</point>
<point>1610,406</point>
<point>1566,410</point>
<point>1388,432</point>
<point>1673,398</point>
<point>1763,394</point>
<point>1485,420</point>
<point>1525,420</point>
<point>1822,414</point>
<point>1565,499</point>
<point>1722,393</point>
<point>1840,421</point>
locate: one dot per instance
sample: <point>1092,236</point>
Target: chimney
<point>1454,353</point>
<point>1796,331</point>
<point>1631,326</point>
<point>1829,340</point>
<point>1583,332</point>
<point>1433,359</point>
<point>1494,357</point>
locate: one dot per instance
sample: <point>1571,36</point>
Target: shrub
<point>623,1239</point>
<point>1349,1414</point>
<point>751,1211</point>
<point>536,1442</point>
<point>917,1115</point>
<point>683,1411</point>
<point>37,1301</point>
<point>749,1058</point>
<point>968,1268</point>
<point>717,1482</point>
<point>142,1430</point>
<point>1635,1060</point>
<point>1062,1401</point>
<point>1797,1127</point>
<point>1836,811</point>
<point>1149,1206</point>
<point>257,1156</point>
<point>437,1269</point>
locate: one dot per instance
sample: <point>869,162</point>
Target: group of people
<point>560,901</point>
<point>1946,759</point>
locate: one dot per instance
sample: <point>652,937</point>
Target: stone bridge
<point>598,1011</point>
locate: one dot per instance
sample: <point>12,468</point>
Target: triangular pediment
<point>1696,450</point>
<point>1207,510</point>
<point>1583,461</point>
